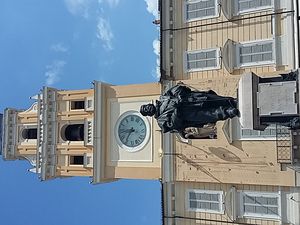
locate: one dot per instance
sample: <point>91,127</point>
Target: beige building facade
<point>232,175</point>
<point>98,133</point>
<point>222,174</point>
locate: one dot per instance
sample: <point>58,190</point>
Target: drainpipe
<point>296,32</point>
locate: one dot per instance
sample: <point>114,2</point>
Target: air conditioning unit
<point>88,160</point>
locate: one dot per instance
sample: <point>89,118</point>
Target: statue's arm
<point>178,90</point>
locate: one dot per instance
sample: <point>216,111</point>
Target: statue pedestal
<point>265,101</point>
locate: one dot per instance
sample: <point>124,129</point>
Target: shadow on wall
<point>224,154</point>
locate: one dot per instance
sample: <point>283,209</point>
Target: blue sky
<point>67,44</point>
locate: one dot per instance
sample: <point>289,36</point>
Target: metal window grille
<point>200,9</point>
<point>269,132</point>
<point>256,53</point>
<point>201,60</point>
<point>258,205</point>
<point>251,5</point>
<point>205,201</point>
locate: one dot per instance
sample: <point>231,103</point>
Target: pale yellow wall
<point>143,164</point>
<point>181,206</point>
<point>218,161</point>
<point>26,148</point>
<point>211,36</point>
<point>65,116</point>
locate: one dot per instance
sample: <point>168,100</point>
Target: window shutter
<point>88,134</point>
<point>228,8</point>
<point>281,51</point>
<point>89,104</point>
<point>88,160</point>
<point>229,55</point>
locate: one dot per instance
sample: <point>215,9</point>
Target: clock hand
<point>131,131</point>
<point>127,130</point>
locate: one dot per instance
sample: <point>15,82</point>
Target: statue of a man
<point>180,107</point>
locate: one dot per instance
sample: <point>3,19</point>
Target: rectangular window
<point>261,205</point>
<point>200,9</point>
<point>77,105</point>
<point>202,60</point>
<point>269,132</point>
<point>244,6</point>
<point>76,160</point>
<point>205,201</point>
<point>255,53</point>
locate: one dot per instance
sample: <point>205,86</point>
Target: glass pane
<point>267,47</point>
<point>211,54</point>
<point>249,199</point>
<point>256,48</point>
<point>193,204</point>
<point>211,63</point>
<point>215,197</point>
<point>272,210</point>
<point>210,12</point>
<point>192,195</point>
<point>261,210</point>
<point>245,50</point>
<point>192,65</point>
<point>214,206</point>
<point>267,57</point>
<point>272,201</point>
<point>249,209</point>
<point>201,55</point>
<point>245,59</point>
<point>204,205</point>
<point>191,57</point>
<point>201,64</point>
<point>205,196</point>
<point>261,200</point>
<point>257,58</point>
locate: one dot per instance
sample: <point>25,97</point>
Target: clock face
<point>132,131</point>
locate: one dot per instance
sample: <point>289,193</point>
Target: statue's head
<point>148,110</point>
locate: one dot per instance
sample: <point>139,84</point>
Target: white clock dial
<point>132,131</point>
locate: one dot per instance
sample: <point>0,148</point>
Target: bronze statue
<point>180,107</point>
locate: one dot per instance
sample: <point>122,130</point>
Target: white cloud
<point>152,7</point>
<point>79,7</point>
<point>59,47</point>
<point>156,50</point>
<point>104,33</point>
<point>111,3</point>
<point>54,71</point>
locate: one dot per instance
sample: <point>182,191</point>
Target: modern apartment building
<point>234,175</point>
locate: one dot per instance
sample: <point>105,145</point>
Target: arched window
<point>30,133</point>
<point>73,132</point>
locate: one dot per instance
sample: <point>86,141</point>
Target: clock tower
<point>97,132</point>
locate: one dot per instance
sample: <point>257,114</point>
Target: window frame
<point>185,13</point>
<point>259,194</point>
<point>73,103</point>
<point>201,191</point>
<point>218,60</point>
<point>252,64</point>
<point>252,10</point>
<point>72,159</point>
